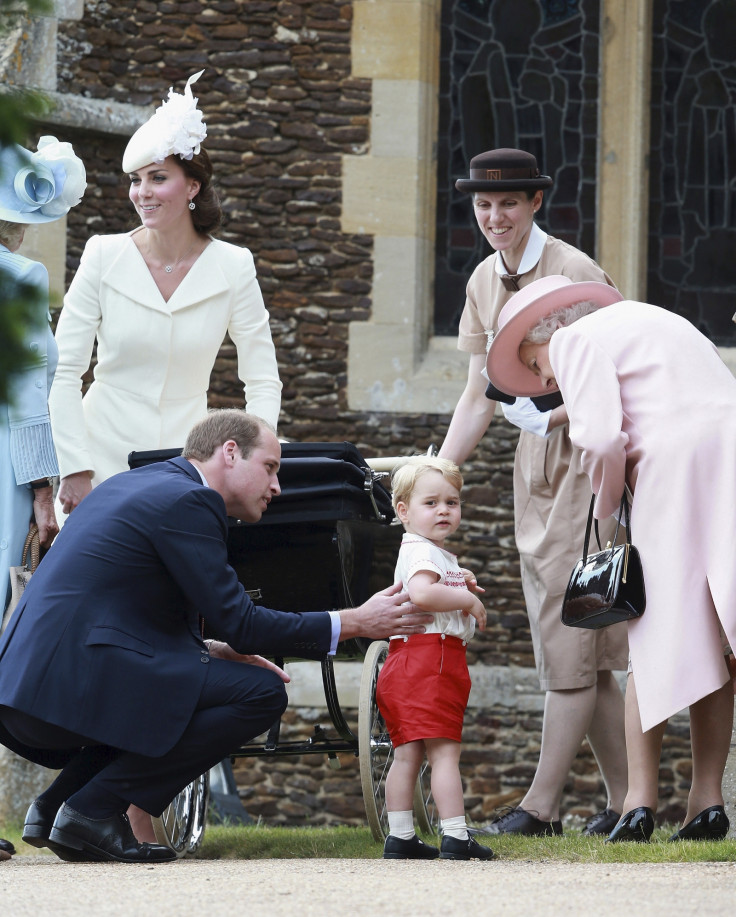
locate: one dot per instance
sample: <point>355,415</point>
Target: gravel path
<point>42,886</point>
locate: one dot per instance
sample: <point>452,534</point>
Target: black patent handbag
<point>606,587</point>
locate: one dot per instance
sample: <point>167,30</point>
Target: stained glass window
<point>692,215</point>
<point>515,73</point>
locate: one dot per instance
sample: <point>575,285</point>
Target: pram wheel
<point>374,745</point>
<point>376,754</point>
<point>182,823</point>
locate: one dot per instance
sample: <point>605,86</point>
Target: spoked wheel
<point>182,823</point>
<point>425,811</point>
<point>374,745</point>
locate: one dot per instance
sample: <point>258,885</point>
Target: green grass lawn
<point>258,842</point>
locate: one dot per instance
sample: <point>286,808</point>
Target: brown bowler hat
<point>504,170</point>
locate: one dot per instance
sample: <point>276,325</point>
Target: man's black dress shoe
<point>6,846</point>
<point>396,848</point>
<point>452,848</point>
<point>636,825</point>
<point>104,838</point>
<point>601,823</point>
<point>519,821</point>
<point>39,821</point>
<point>711,825</point>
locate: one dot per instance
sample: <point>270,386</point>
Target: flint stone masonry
<point>285,104</point>
<point>501,747</point>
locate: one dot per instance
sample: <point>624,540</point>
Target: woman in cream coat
<point>629,373</point>
<point>158,301</point>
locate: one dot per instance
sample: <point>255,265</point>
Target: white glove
<point>523,414</point>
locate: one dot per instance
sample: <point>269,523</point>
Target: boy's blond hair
<point>404,478</point>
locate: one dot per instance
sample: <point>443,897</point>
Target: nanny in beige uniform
<point>158,301</point>
<point>551,499</point>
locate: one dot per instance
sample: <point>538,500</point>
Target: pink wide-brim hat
<point>521,313</point>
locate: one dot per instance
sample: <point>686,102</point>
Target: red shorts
<point>423,688</point>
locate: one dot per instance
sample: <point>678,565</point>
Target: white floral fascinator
<point>176,128</point>
<point>40,187</point>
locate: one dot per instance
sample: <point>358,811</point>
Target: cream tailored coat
<point>154,358</point>
<point>652,405</point>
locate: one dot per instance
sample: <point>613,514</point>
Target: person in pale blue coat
<point>27,457</point>
<point>34,188</point>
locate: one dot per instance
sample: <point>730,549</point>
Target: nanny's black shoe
<point>601,823</point>
<point>710,825</point>
<point>103,839</point>
<point>396,848</point>
<point>519,821</point>
<point>39,821</point>
<point>636,825</point>
<point>452,848</point>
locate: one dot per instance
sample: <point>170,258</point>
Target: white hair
<point>11,233</point>
<point>542,331</point>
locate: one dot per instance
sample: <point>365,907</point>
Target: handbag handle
<point>31,548</point>
<point>622,511</point>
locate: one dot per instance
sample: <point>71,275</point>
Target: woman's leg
<point>711,723</point>
<point>643,751</point>
<point>447,788</point>
<point>142,825</point>
<point>567,718</point>
<point>607,739</point>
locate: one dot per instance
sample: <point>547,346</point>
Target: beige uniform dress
<point>551,491</point>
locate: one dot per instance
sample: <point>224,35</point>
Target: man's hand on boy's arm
<point>429,594</point>
<point>382,615</point>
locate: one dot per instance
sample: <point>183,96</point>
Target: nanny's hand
<point>385,613</point>
<point>221,650</point>
<point>73,489</point>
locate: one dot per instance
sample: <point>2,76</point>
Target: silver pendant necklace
<point>170,267</point>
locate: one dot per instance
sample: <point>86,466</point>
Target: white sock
<point>401,824</point>
<point>454,827</point>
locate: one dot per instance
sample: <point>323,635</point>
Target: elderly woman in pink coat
<point>630,373</point>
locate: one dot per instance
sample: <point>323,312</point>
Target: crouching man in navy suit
<point>103,671</point>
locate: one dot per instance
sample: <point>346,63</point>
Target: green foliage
<point>18,302</point>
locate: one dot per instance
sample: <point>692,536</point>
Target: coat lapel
<point>128,274</point>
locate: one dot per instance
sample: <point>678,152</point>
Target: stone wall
<point>282,110</point>
<point>500,751</point>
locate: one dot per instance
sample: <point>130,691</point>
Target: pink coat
<point>652,405</point>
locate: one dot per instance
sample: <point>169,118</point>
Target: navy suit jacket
<point>106,640</point>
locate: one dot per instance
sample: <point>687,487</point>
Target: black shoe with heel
<point>710,825</point>
<point>519,821</point>
<point>601,823</point>
<point>636,825</point>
